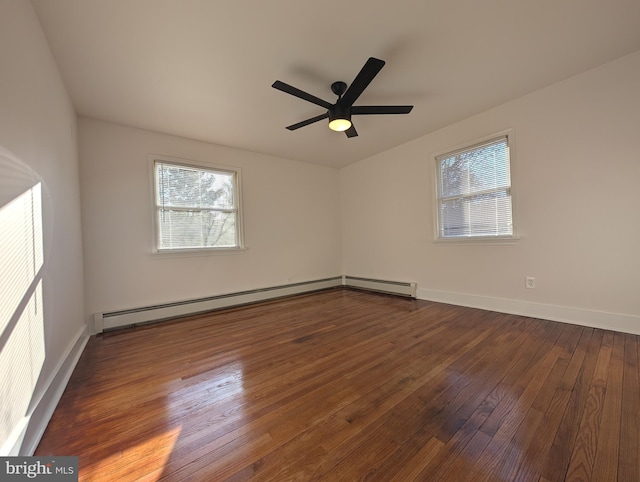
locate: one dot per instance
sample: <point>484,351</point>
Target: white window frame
<point>480,239</point>
<point>198,165</point>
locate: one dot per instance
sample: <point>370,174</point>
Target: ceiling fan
<point>339,114</point>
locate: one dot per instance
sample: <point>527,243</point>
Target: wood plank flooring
<point>345,385</point>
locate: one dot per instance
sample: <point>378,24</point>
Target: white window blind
<point>474,191</point>
<point>196,208</point>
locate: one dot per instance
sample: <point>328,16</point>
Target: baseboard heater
<point>136,316</point>
<point>401,288</point>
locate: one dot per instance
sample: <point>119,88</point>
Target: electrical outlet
<point>530,282</point>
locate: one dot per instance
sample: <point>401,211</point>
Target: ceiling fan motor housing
<point>338,88</point>
<point>339,112</point>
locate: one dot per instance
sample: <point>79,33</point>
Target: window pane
<point>478,169</point>
<point>481,215</point>
<point>181,186</point>
<point>475,191</point>
<point>197,229</point>
<point>196,207</point>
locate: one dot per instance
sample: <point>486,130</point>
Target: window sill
<point>485,240</point>
<point>182,253</point>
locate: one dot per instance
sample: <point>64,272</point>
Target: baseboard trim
<point>42,408</point>
<point>576,316</point>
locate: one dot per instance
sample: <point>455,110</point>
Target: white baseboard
<point>42,408</point>
<point>564,314</point>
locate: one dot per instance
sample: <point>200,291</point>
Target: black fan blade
<point>308,121</point>
<point>380,109</point>
<point>351,131</point>
<point>362,80</point>
<point>289,89</point>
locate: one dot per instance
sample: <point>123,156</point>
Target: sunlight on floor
<point>142,462</point>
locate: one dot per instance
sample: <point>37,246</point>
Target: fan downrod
<point>338,88</point>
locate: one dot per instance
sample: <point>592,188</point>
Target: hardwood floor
<point>345,385</point>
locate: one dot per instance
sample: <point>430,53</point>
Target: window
<point>196,207</point>
<point>474,191</point>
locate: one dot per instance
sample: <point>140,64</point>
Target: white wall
<point>42,331</point>
<point>576,183</point>
<point>291,222</point>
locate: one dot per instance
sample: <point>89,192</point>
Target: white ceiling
<point>203,69</point>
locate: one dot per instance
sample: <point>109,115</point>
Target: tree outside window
<point>196,208</point>
<point>474,191</point>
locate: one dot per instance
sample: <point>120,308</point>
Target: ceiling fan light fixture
<point>339,124</point>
